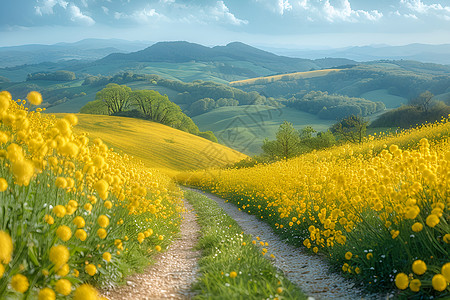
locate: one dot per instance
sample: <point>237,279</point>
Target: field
<point>156,145</point>
<point>244,127</point>
<point>379,211</point>
<point>391,101</point>
<point>290,76</point>
<point>74,212</point>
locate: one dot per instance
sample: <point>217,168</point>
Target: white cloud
<point>46,7</point>
<point>105,10</point>
<point>141,16</point>
<point>78,17</point>
<point>344,12</point>
<point>435,9</point>
<point>220,12</point>
<point>284,5</point>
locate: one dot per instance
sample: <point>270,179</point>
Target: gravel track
<point>173,273</point>
<point>310,273</point>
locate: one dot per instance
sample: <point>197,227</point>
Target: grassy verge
<point>231,266</point>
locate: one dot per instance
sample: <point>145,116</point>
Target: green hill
<point>244,127</point>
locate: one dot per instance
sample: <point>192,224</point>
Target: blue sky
<point>274,23</point>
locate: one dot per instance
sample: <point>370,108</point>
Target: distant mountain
<point>181,52</point>
<point>88,49</point>
<point>439,54</point>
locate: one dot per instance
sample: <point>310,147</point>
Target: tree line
<point>120,100</point>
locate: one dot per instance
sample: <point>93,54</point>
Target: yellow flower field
<point>73,212</point>
<point>379,211</point>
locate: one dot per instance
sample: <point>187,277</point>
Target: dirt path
<point>309,272</point>
<point>173,273</point>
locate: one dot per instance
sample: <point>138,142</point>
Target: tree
<point>423,101</point>
<point>116,97</point>
<point>351,129</point>
<point>286,145</point>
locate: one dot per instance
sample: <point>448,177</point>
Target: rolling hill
<point>156,145</point>
<point>244,127</point>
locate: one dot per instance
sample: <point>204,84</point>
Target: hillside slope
<point>158,146</point>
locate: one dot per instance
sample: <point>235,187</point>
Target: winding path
<point>310,273</point>
<point>173,273</point>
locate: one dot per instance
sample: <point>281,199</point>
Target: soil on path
<point>311,273</point>
<point>173,273</point>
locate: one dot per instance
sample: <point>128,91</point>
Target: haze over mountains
<point>115,49</point>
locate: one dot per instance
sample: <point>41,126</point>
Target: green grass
<point>226,249</point>
<point>391,101</point>
<point>244,127</point>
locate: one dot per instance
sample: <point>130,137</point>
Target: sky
<point>295,24</point>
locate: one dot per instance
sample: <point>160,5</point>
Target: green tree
<point>116,97</point>
<point>424,101</point>
<point>286,145</point>
<point>351,129</point>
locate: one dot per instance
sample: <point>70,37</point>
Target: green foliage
<point>226,249</point>
<point>96,107</point>
<point>334,106</point>
<point>209,135</point>
<point>409,116</point>
<point>351,129</point>
<point>286,145</point>
<point>54,76</point>
<point>116,97</point>
<point>424,101</point>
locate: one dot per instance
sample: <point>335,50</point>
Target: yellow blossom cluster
<point>377,209</point>
<point>71,206</point>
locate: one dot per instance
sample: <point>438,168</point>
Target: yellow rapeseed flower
<point>6,247</point>
<point>103,221</point>
<point>79,221</point>
<point>417,227</point>
<point>2,270</point>
<point>64,233</point>
<point>233,274</point>
<point>20,283</point>
<point>439,282</point>
<point>81,234</point>
<point>415,285</point>
<point>85,292</point>
<point>34,98</point>
<point>107,256</point>
<point>102,233</point>
<point>348,255</point>
<point>419,267</point>
<point>23,170</point>
<point>59,255</point>
<point>64,270</point>
<point>445,271</point>
<point>59,211</point>
<point>63,287</point>
<point>3,184</point>
<point>158,248</point>
<point>90,269</point>
<point>46,294</point>
<point>432,220</point>
<point>402,281</point>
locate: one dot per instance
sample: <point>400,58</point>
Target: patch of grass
<point>391,101</point>
<point>228,252</point>
<point>290,76</point>
<point>244,127</point>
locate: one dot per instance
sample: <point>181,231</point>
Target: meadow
<point>245,127</point>
<point>156,145</point>
<point>74,213</point>
<point>379,211</point>
<point>288,76</point>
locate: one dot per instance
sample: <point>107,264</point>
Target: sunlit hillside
<point>290,76</point>
<point>158,146</point>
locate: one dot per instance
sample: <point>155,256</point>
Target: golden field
<point>156,145</point>
<point>291,76</point>
<point>378,210</point>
